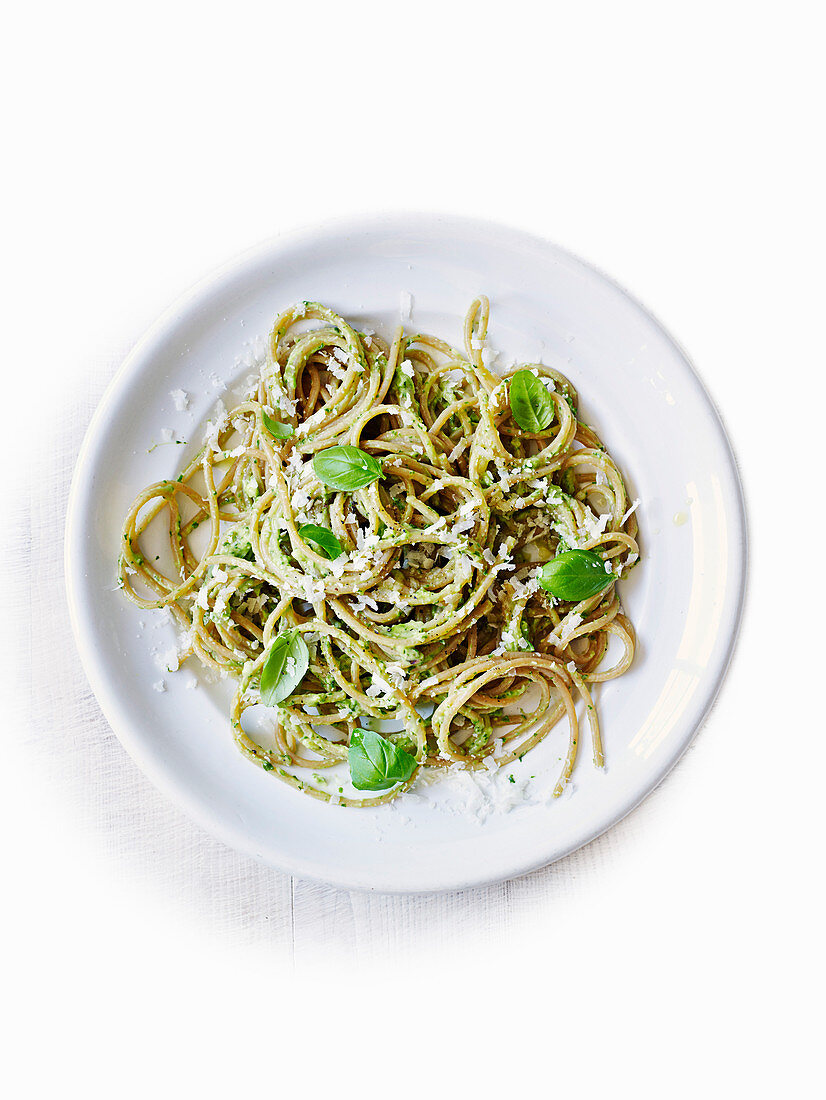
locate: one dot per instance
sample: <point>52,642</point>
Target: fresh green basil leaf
<point>532,407</point>
<point>376,764</point>
<point>325,540</point>
<point>346,468</point>
<point>284,668</point>
<point>276,429</point>
<point>575,575</point>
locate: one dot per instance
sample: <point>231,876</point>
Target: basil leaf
<point>284,668</point>
<point>532,407</point>
<point>276,428</point>
<point>376,764</point>
<point>575,575</point>
<point>346,468</point>
<point>325,540</point>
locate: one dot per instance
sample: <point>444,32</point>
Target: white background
<point>679,148</point>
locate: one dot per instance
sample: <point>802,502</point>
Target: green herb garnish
<point>532,407</point>
<point>276,429</point>
<point>346,468</point>
<point>325,540</point>
<point>575,575</point>
<point>284,668</point>
<point>376,764</point>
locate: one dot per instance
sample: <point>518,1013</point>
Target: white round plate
<point>636,387</point>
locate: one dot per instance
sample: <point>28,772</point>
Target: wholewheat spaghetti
<point>432,617</point>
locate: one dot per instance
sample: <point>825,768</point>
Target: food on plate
<point>409,558</point>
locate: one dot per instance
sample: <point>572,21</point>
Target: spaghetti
<point>418,595</point>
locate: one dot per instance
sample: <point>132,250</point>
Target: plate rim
<point>118,716</point>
